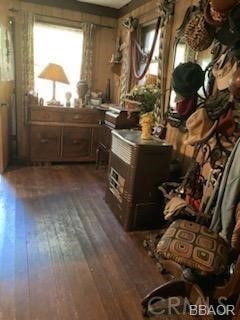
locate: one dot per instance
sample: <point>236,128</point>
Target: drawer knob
<point>76,116</point>
<point>76,141</point>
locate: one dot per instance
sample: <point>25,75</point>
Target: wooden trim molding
<point>134,4</point>
<point>79,6</point>
<point>91,8</point>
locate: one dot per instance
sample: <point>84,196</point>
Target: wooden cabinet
<point>76,143</point>
<point>136,168</point>
<point>45,142</point>
<point>62,134</point>
<point>115,118</point>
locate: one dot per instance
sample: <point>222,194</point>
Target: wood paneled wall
<point>106,35</point>
<point>104,47</point>
<point>147,13</point>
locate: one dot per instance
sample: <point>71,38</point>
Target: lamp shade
<point>54,72</point>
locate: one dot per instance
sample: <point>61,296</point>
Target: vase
<point>146,123</point>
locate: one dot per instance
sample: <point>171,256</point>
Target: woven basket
<point>198,35</point>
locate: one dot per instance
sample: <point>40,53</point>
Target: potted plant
<point>147,96</point>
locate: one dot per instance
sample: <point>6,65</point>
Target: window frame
<point>61,23</point>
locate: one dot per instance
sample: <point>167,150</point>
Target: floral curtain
<point>87,58</point>
<point>6,56</point>
<point>27,59</point>
<point>27,52</point>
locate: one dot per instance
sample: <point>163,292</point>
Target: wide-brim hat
<point>200,127</point>
<point>223,72</point>
<point>187,78</point>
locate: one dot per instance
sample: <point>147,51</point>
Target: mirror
<point>180,56</point>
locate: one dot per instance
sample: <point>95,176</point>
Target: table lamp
<point>55,73</point>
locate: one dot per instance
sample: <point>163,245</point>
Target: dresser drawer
<point>45,142</point>
<point>45,116</point>
<point>76,143</point>
<point>81,117</point>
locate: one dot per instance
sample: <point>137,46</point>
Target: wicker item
<point>198,34</point>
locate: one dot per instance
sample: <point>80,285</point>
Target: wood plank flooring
<point>63,255</point>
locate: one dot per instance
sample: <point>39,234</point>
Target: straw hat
<point>200,127</point>
<point>198,33</point>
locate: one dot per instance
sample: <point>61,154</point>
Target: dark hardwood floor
<point>63,255</point>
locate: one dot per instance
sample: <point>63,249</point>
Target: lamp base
<point>54,102</point>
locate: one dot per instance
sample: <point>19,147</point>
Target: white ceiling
<point>117,4</point>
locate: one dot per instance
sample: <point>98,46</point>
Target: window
<point>60,45</point>
<point>147,40</point>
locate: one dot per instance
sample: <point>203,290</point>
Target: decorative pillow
<point>194,246</point>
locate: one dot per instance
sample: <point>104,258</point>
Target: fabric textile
<point>223,220</point>
<point>194,246</point>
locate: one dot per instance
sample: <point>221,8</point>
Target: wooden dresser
<point>58,134</point>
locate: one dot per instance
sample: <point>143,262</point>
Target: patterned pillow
<point>195,246</point>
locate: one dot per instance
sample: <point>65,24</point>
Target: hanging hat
<point>213,17</point>
<point>217,104</point>
<point>235,51</point>
<point>200,127</point>
<point>186,106</point>
<point>187,78</point>
<point>234,86</point>
<point>229,33</point>
<point>226,124</point>
<point>198,34</point>
<point>223,5</point>
<point>223,71</point>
